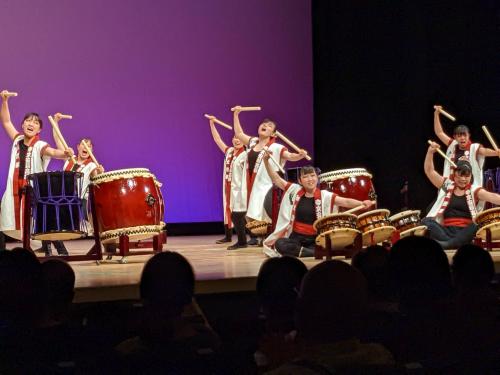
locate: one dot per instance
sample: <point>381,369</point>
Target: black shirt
<point>252,159</point>
<point>457,208</point>
<point>305,212</point>
<point>23,150</point>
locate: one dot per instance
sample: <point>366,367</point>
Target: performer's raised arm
<point>430,171</point>
<point>351,203</point>
<point>294,156</point>
<point>5,116</point>
<point>58,154</point>
<point>238,130</point>
<point>484,151</point>
<point>275,177</point>
<point>438,128</point>
<point>58,141</point>
<point>216,136</point>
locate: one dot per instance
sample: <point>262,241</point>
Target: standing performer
<point>234,202</point>
<point>460,147</point>
<point>28,155</point>
<point>256,180</point>
<point>301,206</point>
<point>451,219</point>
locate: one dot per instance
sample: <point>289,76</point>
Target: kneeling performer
<point>302,204</point>
<point>451,219</point>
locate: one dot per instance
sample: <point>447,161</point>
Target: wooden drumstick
<point>266,149</point>
<point>217,121</point>
<point>290,143</point>
<point>444,155</point>
<point>9,94</point>
<point>446,114</point>
<point>69,117</point>
<point>89,151</point>
<point>355,209</point>
<point>59,135</point>
<point>490,138</point>
<point>245,109</point>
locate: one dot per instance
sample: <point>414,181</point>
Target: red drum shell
<point>128,202</point>
<point>349,183</point>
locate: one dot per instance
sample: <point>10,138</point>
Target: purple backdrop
<point>138,76</point>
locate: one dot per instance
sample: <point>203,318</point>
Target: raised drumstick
<point>290,143</point>
<point>59,135</point>
<point>245,109</point>
<point>444,113</point>
<point>444,155</point>
<point>89,151</point>
<point>490,138</point>
<point>266,149</point>
<point>9,94</point>
<point>69,117</point>
<point>217,121</point>
<point>355,209</point>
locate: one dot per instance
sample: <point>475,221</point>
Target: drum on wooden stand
<point>353,183</point>
<point>340,228</point>
<point>408,223</point>
<point>56,208</point>
<point>489,220</point>
<point>128,202</point>
<point>375,226</point>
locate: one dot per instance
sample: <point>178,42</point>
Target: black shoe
<point>223,240</point>
<point>253,242</point>
<point>237,246</point>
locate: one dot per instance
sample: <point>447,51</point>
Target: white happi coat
<point>257,183</point>
<point>476,161</point>
<point>291,197</point>
<point>86,168</point>
<point>444,197</point>
<point>35,163</point>
<point>233,197</point>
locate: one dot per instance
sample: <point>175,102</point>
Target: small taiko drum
<point>258,228</point>
<point>489,220</point>
<point>408,223</point>
<point>353,183</point>
<point>340,228</point>
<point>128,202</point>
<point>375,226</point>
<point>57,212</point>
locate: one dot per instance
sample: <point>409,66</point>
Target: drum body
<point>340,228</point>
<point>375,226</point>
<point>57,212</point>
<point>489,220</point>
<point>259,228</point>
<point>353,183</point>
<point>128,202</point>
<point>408,223</point>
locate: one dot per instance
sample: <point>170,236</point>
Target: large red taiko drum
<point>353,183</point>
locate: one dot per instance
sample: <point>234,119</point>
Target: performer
<point>460,147</point>
<point>256,181</point>
<point>451,219</point>
<point>29,155</point>
<point>234,203</point>
<point>302,204</point>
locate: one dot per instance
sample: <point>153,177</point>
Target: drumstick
<point>444,155</point>
<point>217,121</point>
<point>290,143</point>
<point>59,135</point>
<point>87,148</point>
<point>245,109</point>
<point>444,113</point>
<point>69,117</point>
<point>266,149</point>
<point>9,94</point>
<point>355,209</point>
<point>490,138</point>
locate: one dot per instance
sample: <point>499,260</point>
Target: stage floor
<point>217,270</point>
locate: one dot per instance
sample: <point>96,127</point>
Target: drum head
<point>416,231</point>
<point>58,236</point>
<point>494,229</point>
<point>377,235</point>
<point>334,216</point>
<point>339,237</point>
<point>343,173</point>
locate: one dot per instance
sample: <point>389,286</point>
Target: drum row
<point>374,226</point>
<point>127,202</point>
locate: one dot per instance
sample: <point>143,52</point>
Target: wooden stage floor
<point>217,270</point>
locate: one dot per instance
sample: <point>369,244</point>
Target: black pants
<point>297,245</point>
<point>450,237</point>
<point>59,245</point>
<point>2,241</point>
<point>239,222</point>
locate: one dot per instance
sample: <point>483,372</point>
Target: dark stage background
<point>379,67</point>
